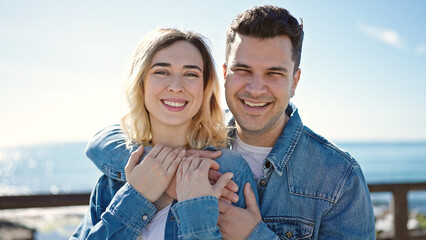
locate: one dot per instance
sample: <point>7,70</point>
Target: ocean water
<point>392,163</point>
<point>64,168</point>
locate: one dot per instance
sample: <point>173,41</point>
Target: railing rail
<point>398,190</point>
<point>400,208</point>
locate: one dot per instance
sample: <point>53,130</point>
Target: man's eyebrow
<point>280,69</point>
<point>161,64</point>
<point>240,65</point>
<point>193,67</point>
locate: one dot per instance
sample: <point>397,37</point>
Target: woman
<point>173,101</point>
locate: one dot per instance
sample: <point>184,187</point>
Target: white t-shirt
<point>253,155</point>
<point>156,228</point>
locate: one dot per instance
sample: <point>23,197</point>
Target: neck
<point>168,135</point>
<point>265,137</point>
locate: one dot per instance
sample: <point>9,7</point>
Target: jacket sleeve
<point>197,218</point>
<point>122,215</point>
<point>109,152</point>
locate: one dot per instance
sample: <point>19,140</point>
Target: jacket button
<point>267,164</point>
<point>119,175</point>
<point>289,234</point>
<point>145,217</point>
<point>263,183</point>
<point>172,218</point>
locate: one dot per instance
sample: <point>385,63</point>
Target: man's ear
<point>296,78</point>
<point>224,72</point>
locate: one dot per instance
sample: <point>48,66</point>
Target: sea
<point>58,168</point>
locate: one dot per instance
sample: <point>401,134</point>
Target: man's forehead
<point>270,53</point>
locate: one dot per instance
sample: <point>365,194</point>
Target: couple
<point>307,188</point>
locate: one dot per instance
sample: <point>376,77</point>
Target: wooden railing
<point>400,208</point>
<point>398,190</point>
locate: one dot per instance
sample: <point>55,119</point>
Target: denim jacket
<point>310,189</point>
<point>118,211</point>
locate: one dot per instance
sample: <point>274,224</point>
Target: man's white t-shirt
<point>253,155</point>
<point>156,228</point>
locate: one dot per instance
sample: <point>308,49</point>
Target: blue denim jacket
<point>118,211</point>
<point>311,189</point>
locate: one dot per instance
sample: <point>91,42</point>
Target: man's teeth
<point>174,104</point>
<point>251,104</point>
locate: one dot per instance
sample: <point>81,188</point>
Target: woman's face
<point>174,85</point>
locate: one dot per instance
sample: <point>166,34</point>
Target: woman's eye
<point>191,74</point>
<point>161,73</point>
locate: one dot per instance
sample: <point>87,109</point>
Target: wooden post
<point>400,209</point>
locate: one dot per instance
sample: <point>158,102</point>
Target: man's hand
<point>237,223</point>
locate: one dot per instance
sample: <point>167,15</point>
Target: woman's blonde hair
<point>207,126</point>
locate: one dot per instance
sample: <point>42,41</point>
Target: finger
<point>225,200</point>
<point>184,166</point>
<point>229,195</point>
<point>223,206</point>
<point>175,164</point>
<point>156,150</point>
<point>204,153</point>
<point>205,165</point>
<point>214,176</point>
<point>171,157</point>
<point>195,163</point>
<point>214,165</point>
<point>250,199</point>
<point>179,172</point>
<point>221,183</point>
<point>133,160</point>
<point>163,153</point>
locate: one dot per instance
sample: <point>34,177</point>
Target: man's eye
<point>242,71</point>
<point>276,74</point>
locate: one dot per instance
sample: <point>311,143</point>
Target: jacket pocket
<point>290,228</point>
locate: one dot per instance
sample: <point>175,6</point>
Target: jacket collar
<point>286,142</point>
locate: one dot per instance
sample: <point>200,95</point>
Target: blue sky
<point>61,63</point>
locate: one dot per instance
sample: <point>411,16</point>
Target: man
<point>308,188</point>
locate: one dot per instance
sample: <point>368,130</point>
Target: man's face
<point>259,82</point>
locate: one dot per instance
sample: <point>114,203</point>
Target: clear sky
<point>61,62</point>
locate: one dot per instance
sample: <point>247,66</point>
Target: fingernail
<point>235,199</point>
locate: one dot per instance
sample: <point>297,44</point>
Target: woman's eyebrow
<point>161,64</point>
<point>193,67</point>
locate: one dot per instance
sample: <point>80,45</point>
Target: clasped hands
<point>180,174</point>
<point>189,174</point>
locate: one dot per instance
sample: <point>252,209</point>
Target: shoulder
<point>325,149</point>
<point>320,169</point>
<point>231,161</point>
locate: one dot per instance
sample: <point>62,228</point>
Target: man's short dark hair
<point>267,22</point>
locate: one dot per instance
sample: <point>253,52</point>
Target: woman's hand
<point>153,175</point>
<point>192,179</point>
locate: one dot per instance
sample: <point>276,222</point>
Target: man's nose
<point>256,86</point>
